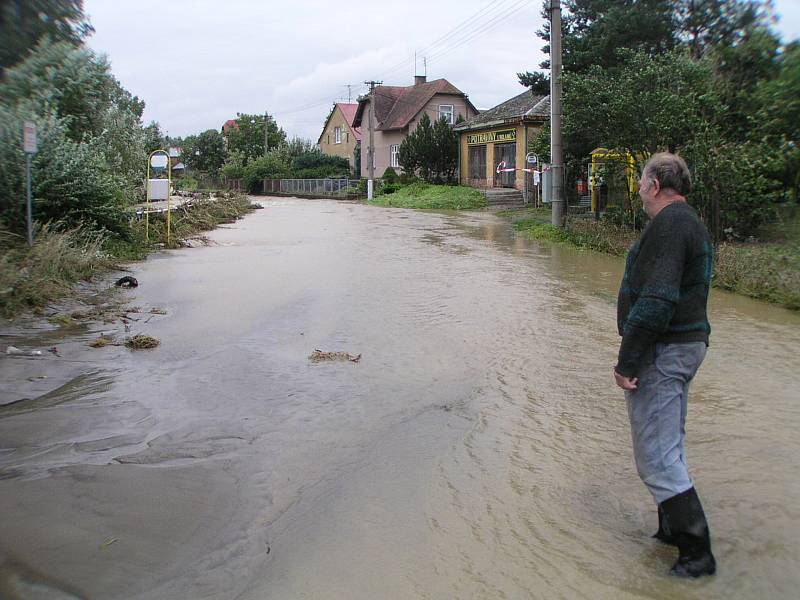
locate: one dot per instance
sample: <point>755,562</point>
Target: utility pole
<point>266,132</point>
<point>556,150</point>
<point>371,149</point>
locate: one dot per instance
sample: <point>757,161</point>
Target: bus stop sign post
<point>29,145</point>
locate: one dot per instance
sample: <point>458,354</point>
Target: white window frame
<point>337,135</point>
<point>448,114</point>
<point>394,152</point>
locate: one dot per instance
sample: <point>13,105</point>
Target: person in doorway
<point>662,318</point>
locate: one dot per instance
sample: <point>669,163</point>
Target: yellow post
<point>149,194</point>
<point>169,192</point>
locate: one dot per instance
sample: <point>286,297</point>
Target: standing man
<point>661,315</point>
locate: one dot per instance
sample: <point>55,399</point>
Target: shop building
<point>499,137</point>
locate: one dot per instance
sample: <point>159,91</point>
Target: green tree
<point>91,134</point>
<point>248,137</point>
<point>235,163</point>
<point>645,105</point>
<point>23,23</point>
<point>204,152</point>
<point>72,183</point>
<point>777,119</point>
<point>313,164</point>
<point>708,24</point>
<point>739,70</point>
<point>593,31</point>
<point>271,166</point>
<point>153,138</point>
<point>73,82</point>
<point>431,151</point>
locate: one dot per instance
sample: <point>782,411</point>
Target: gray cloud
<point>197,63</point>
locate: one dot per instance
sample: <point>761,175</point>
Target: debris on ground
<point>62,320</point>
<point>319,356</point>
<point>101,342</point>
<point>141,342</point>
<point>127,282</point>
<point>53,350</point>
<point>108,542</point>
<point>14,351</point>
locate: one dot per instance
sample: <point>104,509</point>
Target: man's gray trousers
<point>657,411</point>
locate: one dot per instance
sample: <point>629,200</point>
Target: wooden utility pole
<point>556,150</point>
<point>371,149</point>
<point>266,132</point>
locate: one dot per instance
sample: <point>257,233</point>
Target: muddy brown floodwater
<point>478,449</point>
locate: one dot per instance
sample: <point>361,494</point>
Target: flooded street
<point>479,448</point>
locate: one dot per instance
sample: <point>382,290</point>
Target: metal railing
<point>320,188</point>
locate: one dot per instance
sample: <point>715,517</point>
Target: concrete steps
<point>505,197</point>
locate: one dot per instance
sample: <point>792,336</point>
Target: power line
<point>465,31</point>
<point>484,28</point>
<point>469,21</point>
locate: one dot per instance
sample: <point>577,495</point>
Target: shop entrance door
<point>504,153</point>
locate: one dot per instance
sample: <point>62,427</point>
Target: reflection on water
<point>478,450</point>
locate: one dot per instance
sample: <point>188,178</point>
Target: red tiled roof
<point>349,112</point>
<point>230,123</point>
<point>396,106</point>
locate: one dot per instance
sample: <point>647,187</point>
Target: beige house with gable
<point>339,137</point>
<point>397,111</point>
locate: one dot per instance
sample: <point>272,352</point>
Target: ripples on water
<point>479,450</point>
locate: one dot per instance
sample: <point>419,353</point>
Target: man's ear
<point>655,185</point>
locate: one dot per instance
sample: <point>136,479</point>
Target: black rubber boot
<point>664,535</point>
<point>686,521</point>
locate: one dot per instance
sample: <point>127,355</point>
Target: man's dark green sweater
<point>664,292</point>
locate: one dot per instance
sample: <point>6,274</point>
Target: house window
<point>395,150</point>
<point>446,111</point>
<point>337,135</point>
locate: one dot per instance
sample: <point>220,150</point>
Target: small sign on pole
<point>30,147</point>
<point>29,137</point>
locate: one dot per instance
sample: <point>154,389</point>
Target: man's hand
<point>626,383</point>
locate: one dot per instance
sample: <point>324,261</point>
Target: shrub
<point>390,176</point>
<point>270,166</point>
<point>187,183</point>
<point>71,182</point>
<point>316,165</point>
<point>32,277</point>
<point>427,196</point>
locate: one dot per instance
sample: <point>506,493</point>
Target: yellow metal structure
<point>604,155</point>
<point>169,189</point>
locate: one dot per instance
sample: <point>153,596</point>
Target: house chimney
<point>418,79</point>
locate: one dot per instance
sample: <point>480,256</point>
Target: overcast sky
<point>196,63</point>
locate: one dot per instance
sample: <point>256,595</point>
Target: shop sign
<point>489,137</point>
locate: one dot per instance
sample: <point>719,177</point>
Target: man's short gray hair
<point>670,171</point>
